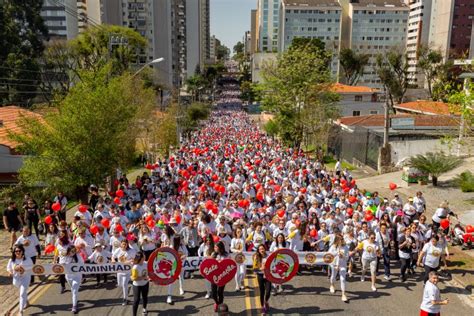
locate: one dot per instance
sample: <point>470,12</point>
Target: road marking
<point>256,290</point>
<point>40,293</point>
<point>248,303</point>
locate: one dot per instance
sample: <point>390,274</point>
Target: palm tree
<point>435,164</point>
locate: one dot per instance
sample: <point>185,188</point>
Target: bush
<point>465,181</point>
<point>435,164</point>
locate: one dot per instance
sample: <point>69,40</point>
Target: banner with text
<point>40,269</point>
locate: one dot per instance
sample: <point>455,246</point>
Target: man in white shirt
<point>431,304</point>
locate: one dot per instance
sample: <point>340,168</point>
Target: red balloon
<point>215,177</point>
<point>116,200</point>
<point>119,193</point>
<point>346,189</point>
<point>118,228</point>
<point>149,218</point>
<point>83,208</point>
<point>177,218</point>
<point>352,199</point>
<point>260,196</point>
<point>392,186</point>
<point>444,223</point>
<point>94,229</point>
<point>298,223</point>
<point>281,213</point>
<point>209,205</point>
<point>215,238</point>
<point>313,233</point>
<point>469,229</point>
<point>350,211</point>
<point>215,210</point>
<point>230,179</point>
<point>258,186</point>
<point>151,223</point>
<point>105,222</point>
<point>48,220</point>
<point>56,206</point>
<point>303,190</point>
<point>369,216</point>
<point>49,249</point>
<point>353,182</point>
<point>149,166</point>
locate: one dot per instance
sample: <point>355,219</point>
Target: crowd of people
<point>228,189</point>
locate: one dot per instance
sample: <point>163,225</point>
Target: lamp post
<point>154,61</point>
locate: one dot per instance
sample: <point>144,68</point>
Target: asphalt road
<point>307,294</point>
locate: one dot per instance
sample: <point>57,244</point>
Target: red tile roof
<point>426,107</point>
<point>10,115</point>
<point>342,88</point>
<point>377,120</point>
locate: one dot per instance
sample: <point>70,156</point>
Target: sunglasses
<point>18,251</point>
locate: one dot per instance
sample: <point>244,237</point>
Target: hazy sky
<point>230,19</point>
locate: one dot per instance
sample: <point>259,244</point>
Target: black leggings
<point>98,275</point>
<point>33,221</point>
<point>137,291</point>
<point>404,266</point>
<point>62,280</point>
<point>265,288</point>
<point>148,253</point>
<point>218,293</point>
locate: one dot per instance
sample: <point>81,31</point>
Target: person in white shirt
<point>125,255</point>
<point>73,279</point>
<point>429,256</point>
<point>237,245</point>
<point>419,203</point>
<point>99,256</point>
<point>31,246</point>
<point>432,302</point>
<point>19,267</point>
<point>370,251</point>
<point>339,265</point>
<point>141,284</point>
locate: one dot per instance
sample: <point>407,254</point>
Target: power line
<point>74,13</point>
<point>29,70</point>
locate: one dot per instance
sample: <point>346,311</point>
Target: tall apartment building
<point>65,19</point>
<point>247,41</point>
<point>212,49</point>
<point>418,31</point>
<point>451,28</point>
<point>268,12</point>
<point>320,19</point>
<point>176,30</point>
<point>253,31</point>
<point>374,27</point>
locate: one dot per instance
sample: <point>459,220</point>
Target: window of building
<point>358,98</point>
<point>372,112</point>
<point>355,113</point>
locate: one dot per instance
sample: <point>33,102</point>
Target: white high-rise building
<point>268,12</point>
<point>418,32</point>
<point>319,19</point>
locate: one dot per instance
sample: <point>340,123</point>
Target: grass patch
<point>330,163</point>
<point>461,264</point>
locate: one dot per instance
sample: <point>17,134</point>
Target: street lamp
<point>154,61</point>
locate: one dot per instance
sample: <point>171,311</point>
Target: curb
<point>459,282</point>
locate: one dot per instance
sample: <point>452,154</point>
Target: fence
<point>360,144</point>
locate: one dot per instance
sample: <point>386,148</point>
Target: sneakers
<point>125,302</point>
<point>215,307</point>
<point>280,289</point>
<point>74,310</point>
<point>181,292</point>
<point>145,312</point>
<point>237,288</point>
<point>169,300</point>
<point>374,289</point>
<point>331,289</point>
<point>63,289</point>
<point>362,278</point>
<point>350,274</point>
<point>386,277</point>
<point>344,298</point>
<point>207,295</point>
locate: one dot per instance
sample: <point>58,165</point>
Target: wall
<point>401,150</point>
<point>192,36</point>
<point>258,60</point>
<point>9,163</point>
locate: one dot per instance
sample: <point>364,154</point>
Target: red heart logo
<point>218,272</point>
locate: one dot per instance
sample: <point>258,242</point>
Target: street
<point>306,294</point>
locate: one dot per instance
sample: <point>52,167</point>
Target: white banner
<point>40,269</point>
<point>305,258</point>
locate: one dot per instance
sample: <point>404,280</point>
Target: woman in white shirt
<point>205,250</point>
<point>73,279</point>
<point>125,255</point>
<point>430,255</point>
<point>19,267</point>
<point>370,251</point>
<point>339,265</point>
<point>31,245</point>
<point>146,239</point>
<point>183,252</point>
<point>237,246</point>
<point>99,256</point>
<point>141,284</point>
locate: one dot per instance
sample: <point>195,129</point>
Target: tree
<point>194,85</point>
<point>271,128</point>
<point>392,69</point>
<point>353,65</point>
<point>297,90</point>
<point>248,93</point>
<point>430,62</point>
<point>239,48</point>
<point>95,48</point>
<point>92,133</point>
<point>22,32</point>
<point>222,51</point>
<point>434,164</point>
<point>167,130</point>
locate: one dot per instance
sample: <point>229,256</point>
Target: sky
<point>230,19</point>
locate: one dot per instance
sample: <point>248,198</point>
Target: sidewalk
<point>8,293</point>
